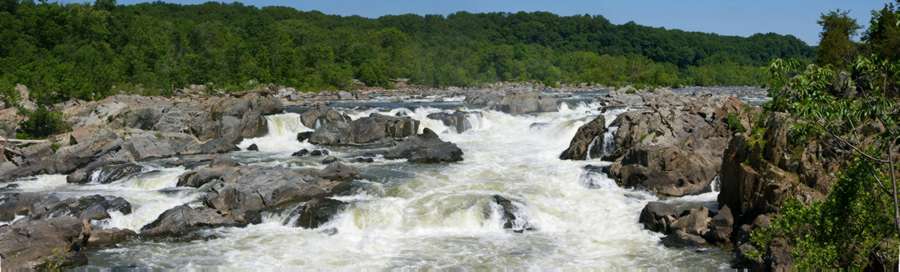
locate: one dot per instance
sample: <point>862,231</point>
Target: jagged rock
<point>510,214</point>
<point>28,245</point>
<point>377,127</point>
<point>17,204</point>
<point>425,148</point>
<point>721,227</point>
<point>587,141</point>
<point>339,172</point>
<point>674,146</point>
<point>665,170</point>
<point>458,120</point>
<point>104,174</point>
<point>183,220</point>
<point>322,116</point>
<point>253,147</point>
<point>300,153</point>
<point>94,207</point>
<point>680,238</point>
<point>317,212</point>
<point>658,216</point>
<point>695,222</point>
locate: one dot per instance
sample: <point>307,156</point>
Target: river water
<point>418,217</point>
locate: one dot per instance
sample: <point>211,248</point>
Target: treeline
<point>89,51</point>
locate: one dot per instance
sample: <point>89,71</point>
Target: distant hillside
<point>90,51</point>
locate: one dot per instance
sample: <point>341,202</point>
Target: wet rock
<point>426,148</point>
<point>319,152</point>
<point>104,174</point>
<point>339,172</point>
<point>364,160</point>
<point>658,216</point>
<point>29,245</point>
<point>17,204</point>
<point>253,147</point>
<point>588,141</point>
<point>304,136</point>
<point>329,159</point>
<point>109,237</point>
<point>300,153</point>
<point>94,207</point>
<point>182,220</point>
<point>332,134</point>
<point>683,239</point>
<point>317,212</point>
<point>458,120</point>
<point>377,127</point>
<point>511,216</point>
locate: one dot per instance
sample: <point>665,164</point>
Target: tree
<point>105,4</point>
<point>9,5</point>
<point>835,47</point>
<point>883,36</point>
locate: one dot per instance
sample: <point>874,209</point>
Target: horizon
<point>796,18</point>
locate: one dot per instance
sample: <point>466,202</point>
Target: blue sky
<point>730,17</point>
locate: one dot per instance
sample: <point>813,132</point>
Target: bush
<point>42,123</point>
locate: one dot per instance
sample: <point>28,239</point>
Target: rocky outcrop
<point>425,148</point>
<point>588,141</point>
<point>458,121</point>
<point>127,128</point>
<point>104,174</point>
<point>688,224</point>
<point>514,102</point>
<point>47,205</point>
<point>374,129</point>
<point>673,144</point>
<point>236,195</point>
<point>29,245</point>
<point>320,115</point>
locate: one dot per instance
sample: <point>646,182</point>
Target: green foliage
<point>42,123</point>
<point>842,231</point>
<point>734,123</point>
<point>883,36</point>
<point>84,51</point>
<point>835,47</point>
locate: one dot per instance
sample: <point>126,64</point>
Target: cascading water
<point>443,217</point>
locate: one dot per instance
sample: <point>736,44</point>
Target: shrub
<point>42,123</point>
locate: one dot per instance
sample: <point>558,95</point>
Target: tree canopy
<point>91,51</point>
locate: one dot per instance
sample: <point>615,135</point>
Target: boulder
<point>300,153</point>
<point>673,144</point>
<point>253,147</point>
<point>329,159</point>
<point>104,174</point>
<point>425,148</point>
<point>514,102</point>
<point>316,212</point>
<point>377,127</point>
<point>183,220</point>
<point>721,227</point>
<point>694,222</point>
<point>588,141</point>
<point>683,239</point>
<point>304,136</point>
<point>512,217</point>
<point>458,121</point>
<point>29,245</point>
<point>320,116</point>
<point>665,170</point>
<point>103,238</point>
<point>658,216</point>
<point>94,207</point>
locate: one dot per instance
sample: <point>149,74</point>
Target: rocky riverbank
<point>669,143</point>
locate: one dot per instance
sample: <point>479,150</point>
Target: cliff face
<point>770,164</point>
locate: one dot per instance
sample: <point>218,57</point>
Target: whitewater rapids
<point>419,217</point>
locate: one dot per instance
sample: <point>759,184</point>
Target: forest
<point>90,51</point>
